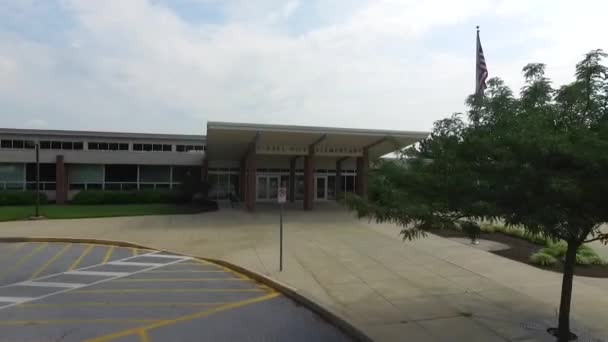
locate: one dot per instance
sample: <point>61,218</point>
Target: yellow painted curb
<point>285,289</point>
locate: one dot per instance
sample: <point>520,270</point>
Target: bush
<point>125,197</point>
<point>585,255</point>
<point>15,197</point>
<point>515,232</point>
<point>557,250</point>
<point>543,259</point>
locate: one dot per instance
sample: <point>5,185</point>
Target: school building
<point>249,161</point>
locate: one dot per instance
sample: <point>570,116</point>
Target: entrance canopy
<point>231,141</point>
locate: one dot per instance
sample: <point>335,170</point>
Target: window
<point>78,145</point>
<point>113,146</point>
<point>17,143</point>
<point>180,148</point>
<point>103,146</point>
<point>93,146</point>
<point>198,147</point>
<point>29,144</point>
<point>138,147</point>
<point>123,147</point>
<point>6,143</point>
<point>67,145</point>
<point>157,147</point>
<point>56,145</point>
<point>166,148</point>
<point>45,145</point>
<point>147,147</point>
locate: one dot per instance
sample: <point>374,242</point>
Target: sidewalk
<point>431,289</point>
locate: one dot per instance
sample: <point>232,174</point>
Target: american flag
<point>481,68</point>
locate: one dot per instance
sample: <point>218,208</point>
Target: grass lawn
<point>53,211</point>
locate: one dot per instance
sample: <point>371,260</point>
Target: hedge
<point>15,197</point>
<point>126,197</point>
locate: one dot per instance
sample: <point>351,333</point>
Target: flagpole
<point>477,62</point>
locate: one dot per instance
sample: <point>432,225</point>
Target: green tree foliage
<point>536,161</point>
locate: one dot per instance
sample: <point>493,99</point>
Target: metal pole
<point>281,240</point>
<point>37,179</point>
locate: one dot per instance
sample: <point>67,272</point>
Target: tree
<point>537,162</point>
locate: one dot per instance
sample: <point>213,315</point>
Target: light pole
<point>37,179</point>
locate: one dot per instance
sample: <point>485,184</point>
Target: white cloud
<point>136,65</point>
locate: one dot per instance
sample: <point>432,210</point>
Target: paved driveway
<point>75,292</point>
<point>432,289</point>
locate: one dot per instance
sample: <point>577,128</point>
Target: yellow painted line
<point>192,263</point>
<point>28,256</point>
<point>84,254</point>
<point>72,321</point>
<point>135,252</point>
<point>135,280</point>
<point>163,290</point>
<point>109,252</point>
<point>51,260</point>
<point>143,335</point>
<point>239,275</point>
<point>111,304</point>
<point>163,323</point>
<point>184,271</point>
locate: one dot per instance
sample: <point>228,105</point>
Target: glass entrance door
<point>267,188</point>
<point>321,188</point>
<point>273,187</point>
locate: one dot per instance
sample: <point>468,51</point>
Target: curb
<point>285,289</point>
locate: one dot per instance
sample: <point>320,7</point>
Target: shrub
<point>515,232</point>
<point>543,259</point>
<point>15,197</point>
<point>585,255</point>
<point>125,197</point>
<point>557,250</point>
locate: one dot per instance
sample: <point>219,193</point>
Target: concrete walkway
<point>431,289</point>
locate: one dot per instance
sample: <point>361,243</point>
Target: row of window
<point>104,146</point>
<point>8,143</point>
<point>96,146</point>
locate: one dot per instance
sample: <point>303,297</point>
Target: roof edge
<point>101,134</point>
<point>313,129</point>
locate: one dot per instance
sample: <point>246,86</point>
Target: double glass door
<point>267,188</point>
<point>320,188</point>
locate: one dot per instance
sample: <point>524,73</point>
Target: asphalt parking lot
<point>85,292</point>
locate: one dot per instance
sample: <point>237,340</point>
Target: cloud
<point>140,66</point>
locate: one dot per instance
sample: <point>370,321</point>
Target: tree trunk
<point>564,306</point>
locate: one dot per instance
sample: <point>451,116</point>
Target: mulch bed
<point>521,250</point>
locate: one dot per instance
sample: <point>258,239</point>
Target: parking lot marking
<point>126,304</point>
<point>108,254</point>
<point>73,321</point>
<point>169,256</point>
<point>14,299</point>
<point>90,284</point>
<point>186,271</point>
<point>128,263</point>
<point>98,273</point>
<point>143,335</point>
<point>164,290</point>
<point>163,323</point>
<point>84,254</point>
<point>51,260</point>
<point>158,280</point>
<point>50,284</point>
<point>28,256</point>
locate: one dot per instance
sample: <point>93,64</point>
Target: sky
<point>169,66</point>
